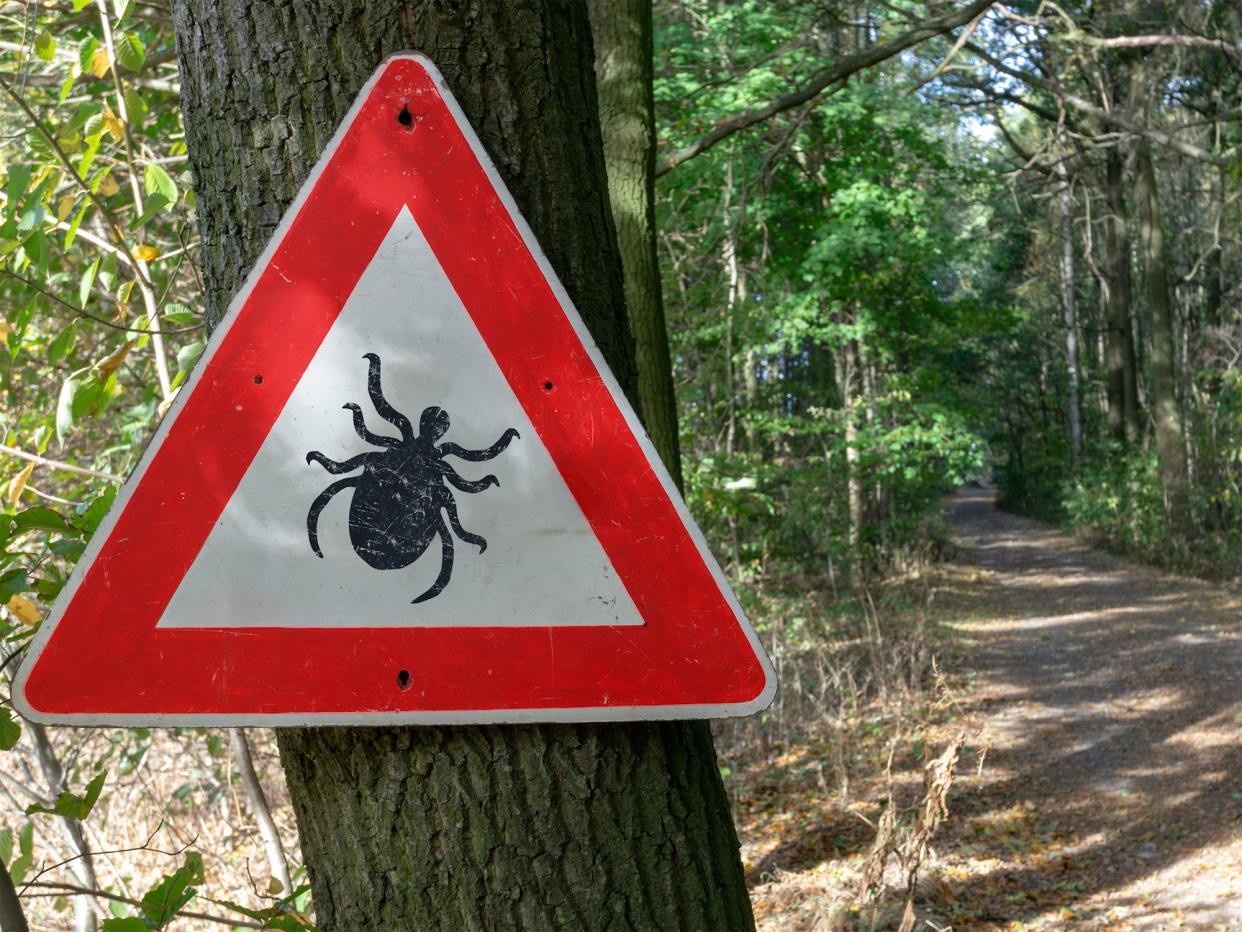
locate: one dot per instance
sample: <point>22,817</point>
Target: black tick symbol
<point>399,498</point>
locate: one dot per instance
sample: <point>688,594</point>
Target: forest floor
<point>1101,785</point>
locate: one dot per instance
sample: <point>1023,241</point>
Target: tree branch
<point>1085,106</point>
<point>824,80</point>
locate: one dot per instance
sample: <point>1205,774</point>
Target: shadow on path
<point>1111,696</point>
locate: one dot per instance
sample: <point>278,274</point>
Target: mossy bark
<point>501,827</point>
<point>622,31</point>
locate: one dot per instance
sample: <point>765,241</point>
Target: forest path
<point>1109,696</point>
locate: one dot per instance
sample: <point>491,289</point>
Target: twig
<point>57,464</point>
<point>35,286</point>
<point>104,894</point>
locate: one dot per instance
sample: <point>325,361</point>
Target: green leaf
<point>86,283</point>
<point>10,731</point>
<point>157,181</point>
<point>128,924</point>
<point>59,348</point>
<point>39,518</point>
<point>13,582</point>
<point>25,839</point>
<point>120,7</point>
<point>64,408</point>
<point>154,206</point>
<point>70,805</point>
<point>6,845</point>
<point>45,45</point>
<point>188,355</point>
<point>163,901</point>
<point>15,186</point>
<point>89,520</point>
<point>129,51</point>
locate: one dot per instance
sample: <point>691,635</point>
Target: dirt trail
<point>1111,697</point>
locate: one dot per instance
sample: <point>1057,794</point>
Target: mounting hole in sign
<point>405,118</point>
<point>258,380</point>
<point>403,679</point>
<point>548,386</point>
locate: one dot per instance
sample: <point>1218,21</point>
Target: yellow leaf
<point>5,329</point>
<point>167,402</point>
<point>100,62</point>
<point>110,363</point>
<point>65,207</point>
<point>113,124</point>
<point>108,186</point>
<point>146,253</point>
<point>275,887</point>
<point>17,485</point>
<point>24,610</point>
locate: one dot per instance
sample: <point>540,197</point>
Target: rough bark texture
<point>622,31</point>
<point>1170,439</point>
<point>586,827</point>
<point>1123,413</point>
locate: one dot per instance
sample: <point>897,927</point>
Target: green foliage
<point>72,806</point>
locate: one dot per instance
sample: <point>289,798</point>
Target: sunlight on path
<point>1111,695</point>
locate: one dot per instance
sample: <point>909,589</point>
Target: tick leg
<point>446,567</point>
<point>332,466</point>
<point>318,505</point>
<point>360,427</point>
<point>386,411</point>
<point>467,485</point>
<point>478,456</point>
<point>478,541</point>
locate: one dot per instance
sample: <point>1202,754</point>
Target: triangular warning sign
<point>401,486</point>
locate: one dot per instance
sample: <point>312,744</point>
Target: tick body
<point>403,499</point>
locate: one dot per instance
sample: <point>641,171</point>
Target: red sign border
<point>99,657</point>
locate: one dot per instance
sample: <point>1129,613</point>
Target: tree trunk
<point>1065,203</point>
<point>1170,442</point>
<point>1123,410</point>
<point>622,31</point>
<point>498,827</point>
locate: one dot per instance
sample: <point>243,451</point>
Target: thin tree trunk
<point>1123,405</point>
<point>83,865</point>
<point>273,847</point>
<point>1065,203</point>
<point>622,31</point>
<point>497,827</point>
<point>1170,441</point>
<point>12,916</point>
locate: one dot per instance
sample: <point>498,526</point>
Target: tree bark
<point>1123,407</point>
<point>498,827</point>
<point>622,32</point>
<point>1065,203</point>
<point>1170,439</point>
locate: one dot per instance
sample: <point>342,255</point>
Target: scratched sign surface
<point>401,486</point>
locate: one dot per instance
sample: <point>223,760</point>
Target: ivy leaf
<point>129,51</point>
<point>157,181</point>
<point>72,806</point>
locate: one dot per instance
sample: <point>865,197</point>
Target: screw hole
<point>548,386</point>
<point>403,679</point>
<point>258,380</point>
<point>405,118</point>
